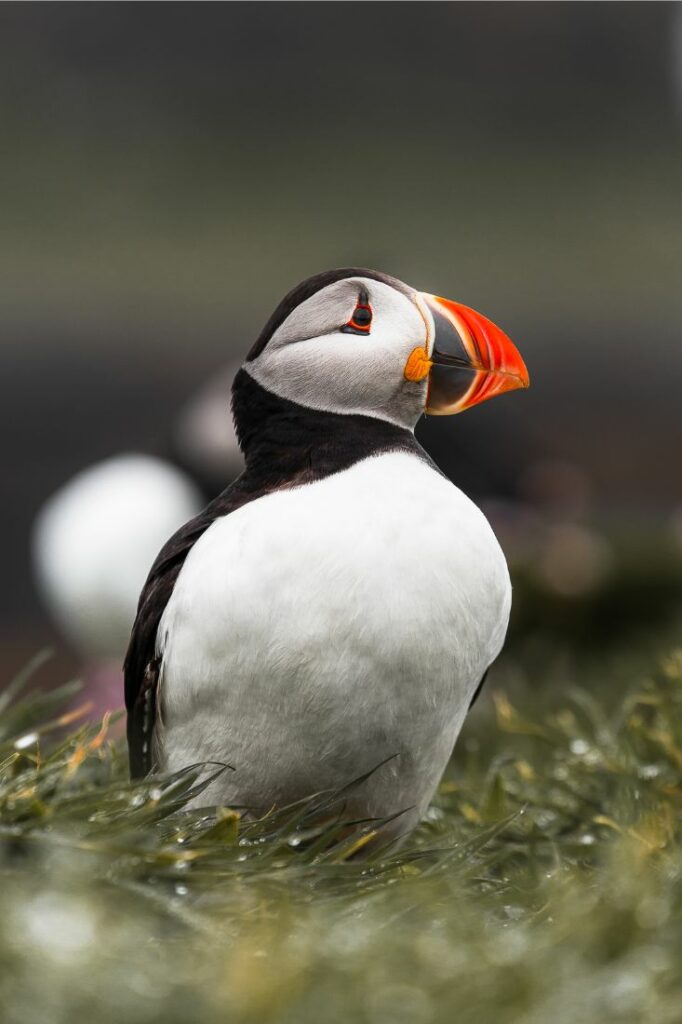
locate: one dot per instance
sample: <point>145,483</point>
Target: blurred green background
<point>170,170</point>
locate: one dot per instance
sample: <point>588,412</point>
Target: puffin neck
<point>289,441</point>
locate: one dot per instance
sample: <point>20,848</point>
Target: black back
<point>285,445</point>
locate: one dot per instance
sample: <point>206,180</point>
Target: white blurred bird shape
<point>92,543</point>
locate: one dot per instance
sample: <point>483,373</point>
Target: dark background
<point>168,171</point>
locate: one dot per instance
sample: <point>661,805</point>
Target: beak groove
<point>472,359</point>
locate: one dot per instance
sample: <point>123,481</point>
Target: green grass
<point>545,886</point>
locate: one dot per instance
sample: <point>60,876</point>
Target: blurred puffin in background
<point>339,604</point>
<point>203,439</point>
<point>92,541</point>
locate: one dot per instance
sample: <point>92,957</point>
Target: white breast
<point>316,631</point>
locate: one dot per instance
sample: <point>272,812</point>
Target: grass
<point>545,886</point>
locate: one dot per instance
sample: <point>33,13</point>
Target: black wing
<point>477,694</point>
<point>142,664</point>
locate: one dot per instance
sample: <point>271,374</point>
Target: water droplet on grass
<point>26,741</point>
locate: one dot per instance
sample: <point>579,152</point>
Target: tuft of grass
<point>545,884</point>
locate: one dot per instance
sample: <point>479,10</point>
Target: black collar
<point>284,442</point>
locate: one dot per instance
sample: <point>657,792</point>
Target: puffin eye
<point>361,319</point>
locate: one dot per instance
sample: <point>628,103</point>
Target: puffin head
<point>356,341</point>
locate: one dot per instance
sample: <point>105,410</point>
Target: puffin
<point>327,621</point>
<point>91,545</point>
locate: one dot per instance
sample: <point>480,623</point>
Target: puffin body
<point>336,608</point>
<point>352,639</point>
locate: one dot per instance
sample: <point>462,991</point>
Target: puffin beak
<point>470,359</point>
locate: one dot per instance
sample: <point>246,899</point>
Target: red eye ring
<point>361,321</point>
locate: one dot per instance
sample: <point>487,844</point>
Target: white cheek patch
<point>309,360</point>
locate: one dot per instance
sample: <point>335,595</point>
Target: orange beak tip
<point>466,340</point>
